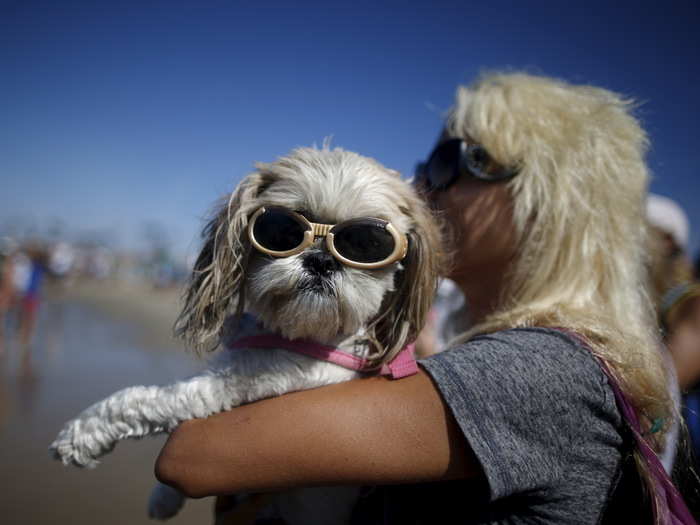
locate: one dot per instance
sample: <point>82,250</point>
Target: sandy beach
<point>92,340</point>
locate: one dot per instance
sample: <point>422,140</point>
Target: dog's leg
<point>141,411</point>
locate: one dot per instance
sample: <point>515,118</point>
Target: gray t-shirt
<point>539,414</point>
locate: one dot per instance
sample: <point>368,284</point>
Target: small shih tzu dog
<point>334,260</point>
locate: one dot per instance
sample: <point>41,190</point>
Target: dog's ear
<point>216,289</point>
<point>404,311</point>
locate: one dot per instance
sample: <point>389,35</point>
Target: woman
<point>541,187</point>
<point>677,298</point>
<point>675,293</point>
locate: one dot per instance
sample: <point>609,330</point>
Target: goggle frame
<point>315,230</point>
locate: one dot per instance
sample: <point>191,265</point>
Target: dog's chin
<point>312,311</point>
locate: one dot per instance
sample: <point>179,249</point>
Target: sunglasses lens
<point>442,166</point>
<point>279,230</point>
<point>363,241</point>
<point>477,161</point>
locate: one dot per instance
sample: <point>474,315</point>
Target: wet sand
<point>89,343</point>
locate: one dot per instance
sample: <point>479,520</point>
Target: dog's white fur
<point>368,312</point>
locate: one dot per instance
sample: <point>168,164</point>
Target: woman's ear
<point>216,286</point>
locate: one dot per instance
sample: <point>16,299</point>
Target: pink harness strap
<point>404,364</point>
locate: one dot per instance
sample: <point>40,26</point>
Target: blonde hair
<point>579,216</point>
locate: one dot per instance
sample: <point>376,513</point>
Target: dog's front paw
<point>81,442</point>
<point>164,502</point>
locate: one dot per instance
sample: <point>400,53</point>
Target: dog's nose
<point>321,263</point>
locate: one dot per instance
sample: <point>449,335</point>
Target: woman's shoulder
<point>539,349</point>
<point>526,360</point>
<point>538,338</point>
<point>545,369</point>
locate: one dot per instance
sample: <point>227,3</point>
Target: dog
<point>319,268</point>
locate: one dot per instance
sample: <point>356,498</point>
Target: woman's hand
<point>366,431</point>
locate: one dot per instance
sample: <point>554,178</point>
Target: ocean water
<point>79,355</point>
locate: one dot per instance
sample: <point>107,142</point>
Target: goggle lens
<point>363,240</point>
<point>278,230</point>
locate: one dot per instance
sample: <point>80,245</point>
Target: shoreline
<point>151,311</point>
<point>92,339</point>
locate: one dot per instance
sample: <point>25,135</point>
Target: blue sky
<point>118,114</point>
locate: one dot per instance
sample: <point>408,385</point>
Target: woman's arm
<point>366,431</point>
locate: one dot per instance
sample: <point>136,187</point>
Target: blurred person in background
<point>31,280</point>
<point>61,259</point>
<point>677,297</point>
<point>668,242</point>
<point>8,249</point>
<point>537,414</point>
<point>676,293</point>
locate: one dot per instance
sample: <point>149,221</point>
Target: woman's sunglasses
<point>361,243</point>
<point>455,157</point>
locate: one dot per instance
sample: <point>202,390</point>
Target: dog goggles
<point>365,242</point>
<point>455,157</point>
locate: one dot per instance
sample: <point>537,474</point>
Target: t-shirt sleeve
<point>524,399</point>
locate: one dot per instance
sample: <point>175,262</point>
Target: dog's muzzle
<point>321,263</point>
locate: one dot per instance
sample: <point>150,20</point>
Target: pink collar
<point>404,364</point>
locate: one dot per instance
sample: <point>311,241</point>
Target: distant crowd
<point>29,267</point>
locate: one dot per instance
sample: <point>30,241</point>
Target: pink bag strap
<point>668,507</point>
<point>403,365</point>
